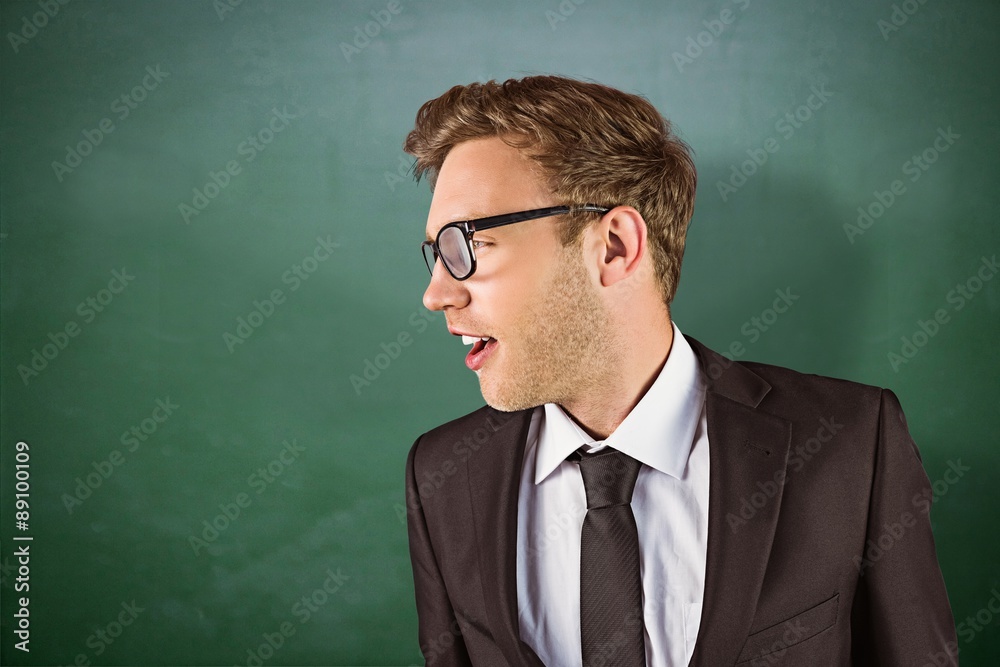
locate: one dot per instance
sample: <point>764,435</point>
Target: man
<point>628,496</point>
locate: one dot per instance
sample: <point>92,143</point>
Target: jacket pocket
<point>791,631</point>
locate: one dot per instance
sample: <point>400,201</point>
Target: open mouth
<point>482,348</point>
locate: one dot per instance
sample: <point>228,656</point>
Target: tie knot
<point>608,478</point>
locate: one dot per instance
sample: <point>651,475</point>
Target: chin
<point>505,402</point>
<point>513,390</point>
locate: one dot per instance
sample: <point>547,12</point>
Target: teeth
<point>469,340</point>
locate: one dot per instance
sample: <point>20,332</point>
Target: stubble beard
<point>565,347</point>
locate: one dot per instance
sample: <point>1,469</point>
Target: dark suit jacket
<point>820,549</point>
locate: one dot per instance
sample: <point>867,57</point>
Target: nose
<point>444,291</point>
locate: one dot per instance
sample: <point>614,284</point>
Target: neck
<point>603,405</point>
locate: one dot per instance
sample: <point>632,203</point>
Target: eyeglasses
<point>454,241</point>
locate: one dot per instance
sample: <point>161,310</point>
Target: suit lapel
<point>746,447</point>
<point>494,479</point>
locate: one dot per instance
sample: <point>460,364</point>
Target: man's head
<point>564,296</point>
<point>591,144</point>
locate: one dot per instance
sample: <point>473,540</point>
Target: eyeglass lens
<point>454,247</point>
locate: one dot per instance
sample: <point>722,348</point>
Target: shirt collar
<point>659,431</point>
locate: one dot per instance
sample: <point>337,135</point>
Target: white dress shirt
<point>667,433</point>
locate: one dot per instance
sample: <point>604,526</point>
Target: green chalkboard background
<point>121,309</point>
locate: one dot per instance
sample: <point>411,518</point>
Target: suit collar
<point>728,378</point>
<point>746,446</point>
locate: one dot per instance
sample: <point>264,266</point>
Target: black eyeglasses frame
<point>470,227</point>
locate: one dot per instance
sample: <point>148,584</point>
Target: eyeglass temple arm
<point>511,218</point>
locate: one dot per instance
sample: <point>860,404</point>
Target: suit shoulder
<point>441,441</point>
<point>858,413</point>
<point>794,389</point>
<point>788,376</point>
<point>783,390</point>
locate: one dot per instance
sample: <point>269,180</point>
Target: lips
<point>481,351</point>
<point>482,347</point>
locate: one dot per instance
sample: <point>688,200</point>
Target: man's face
<point>537,299</point>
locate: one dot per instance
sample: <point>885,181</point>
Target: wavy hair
<point>594,144</point>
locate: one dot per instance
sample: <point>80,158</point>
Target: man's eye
<point>477,244</point>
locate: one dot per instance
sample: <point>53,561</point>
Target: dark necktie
<point>611,625</point>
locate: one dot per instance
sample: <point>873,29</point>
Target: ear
<point>618,243</point>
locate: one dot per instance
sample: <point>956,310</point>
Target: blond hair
<point>595,145</point>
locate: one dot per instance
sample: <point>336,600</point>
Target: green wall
<point>137,302</point>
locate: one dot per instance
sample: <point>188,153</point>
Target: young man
<point>628,496</point>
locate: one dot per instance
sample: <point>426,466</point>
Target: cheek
<point>504,300</point>
<point>512,304</point>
